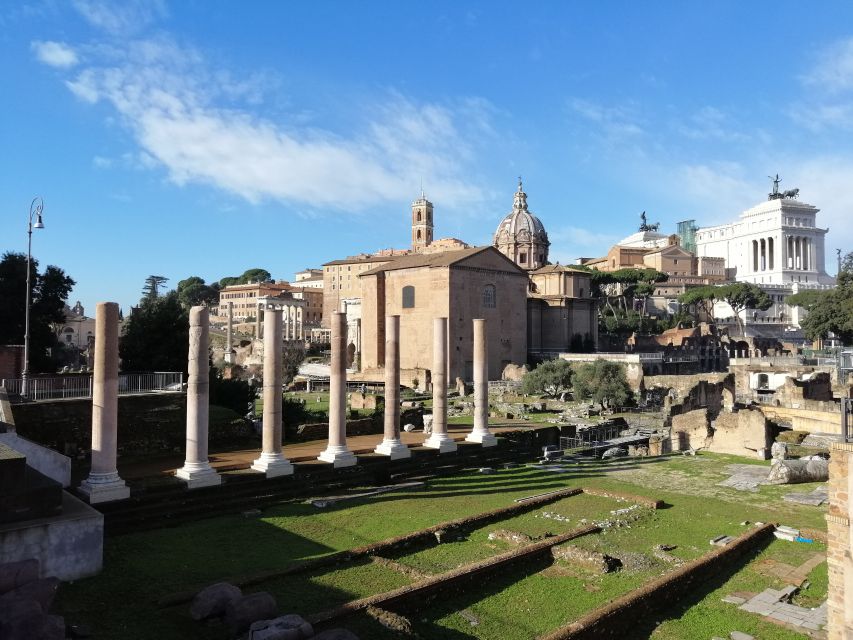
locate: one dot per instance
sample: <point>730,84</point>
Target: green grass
<point>521,603</point>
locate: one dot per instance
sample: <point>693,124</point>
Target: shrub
<point>550,378</point>
<point>603,382</point>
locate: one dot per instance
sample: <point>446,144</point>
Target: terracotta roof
<point>356,259</point>
<point>442,259</point>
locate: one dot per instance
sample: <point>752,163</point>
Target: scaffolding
<point>687,235</point>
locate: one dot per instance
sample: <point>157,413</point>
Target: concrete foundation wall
<point>69,546</point>
<point>46,461</point>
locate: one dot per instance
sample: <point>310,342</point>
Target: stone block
<point>212,601</point>
<point>336,634</point>
<point>16,574</point>
<point>242,612</point>
<point>39,626</point>
<point>289,627</point>
<point>42,591</point>
<point>740,635</point>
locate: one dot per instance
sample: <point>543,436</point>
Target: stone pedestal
<point>104,483</point>
<point>391,444</point>
<point>481,431</point>
<point>197,471</point>
<point>439,439</point>
<point>337,452</point>
<point>272,462</point>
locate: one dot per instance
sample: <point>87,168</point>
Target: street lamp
<point>36,208</point>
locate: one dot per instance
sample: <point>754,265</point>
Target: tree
<point>603,382</point>
<point>829,311</point>
<point>550,378</point>
<point>293,355</point>
<point>703,297</point>
<point>255,275</point>
<point>742,296</point>
<point>49,291</point>
<point>193,291</point>
<point>151,289</point>
<point>156,336</point>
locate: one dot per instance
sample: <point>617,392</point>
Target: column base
<point>104,487</point>
<point>394,449</point>
<point>198,474</point>
<point>442,442</point>
<point>339,456</point>
<point>485,438</point>
<point>273,465</point>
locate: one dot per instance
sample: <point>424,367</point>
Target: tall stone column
<point>258,323</point>
<point>439,439</point>
<point>336,451</point>
<point>272,461</point>
<point>197,470</point>
<point>104,483</point>
<point>481,432</point>
<point>229,333</point>
<point>391,444</point>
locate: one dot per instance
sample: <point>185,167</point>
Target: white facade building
<point>776,245</point>
<point>776,242</point>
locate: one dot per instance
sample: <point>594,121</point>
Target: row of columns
<point>291,318</point>
<point>798,253</point>
<point>104,483</point>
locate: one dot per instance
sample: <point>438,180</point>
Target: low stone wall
<point>320,430</point>
<point>69,546</point>
<point>619,618</point>
<point>743,433</point>
<point>151,423</point>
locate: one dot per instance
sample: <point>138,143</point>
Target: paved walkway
<point>771,603</point>
<point>298,452</point>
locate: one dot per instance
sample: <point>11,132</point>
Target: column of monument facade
<point>104,484</point>
<point>439,439</point>
<point>197,470</point>
<point>481,432</point>
<point>336,451</point>
<point>391,444</point>
<point>272,461</point>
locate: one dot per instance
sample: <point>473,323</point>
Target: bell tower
<point>421,223</point>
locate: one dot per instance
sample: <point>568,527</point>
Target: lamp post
<point>36,208</point>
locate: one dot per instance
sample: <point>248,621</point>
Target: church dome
<point>521,236</point>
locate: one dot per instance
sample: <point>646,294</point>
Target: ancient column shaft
<point>272,461</point>
<point>104,483</point>
<point>197,470</point>
<point>391,444</point>
<point>439,438</point>
<point>481,431</point>
<point>336,452</point>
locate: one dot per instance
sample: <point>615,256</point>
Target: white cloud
<point>186,121</point>
<point>54,54</point>
<point>833,71</point>
<point>615,122</point>
<point>127,16</point>
<point>101,162</point>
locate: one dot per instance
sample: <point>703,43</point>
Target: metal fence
<point>80,386</point>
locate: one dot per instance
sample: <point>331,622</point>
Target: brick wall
<point>838,538</point>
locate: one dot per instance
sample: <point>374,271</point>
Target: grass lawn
<point>521,603</point>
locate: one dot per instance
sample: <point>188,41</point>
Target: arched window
<point>522,258</point>
<point>419,234</point>
<point>489,296</point>
<point>419,215</point>
<point>408,297</point>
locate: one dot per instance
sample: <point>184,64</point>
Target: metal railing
<point>80,386</point>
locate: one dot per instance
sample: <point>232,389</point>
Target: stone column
<point>391,445</point>
<point>229,334</point>
<point>258,323</point>
<point>336,451</point>
<point>481,431</point>
<point>272,461</point>
<point>104,483</point>
<point>197,470</point>
<point>439,438</point>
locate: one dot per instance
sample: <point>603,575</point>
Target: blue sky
<point>208,137</point>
